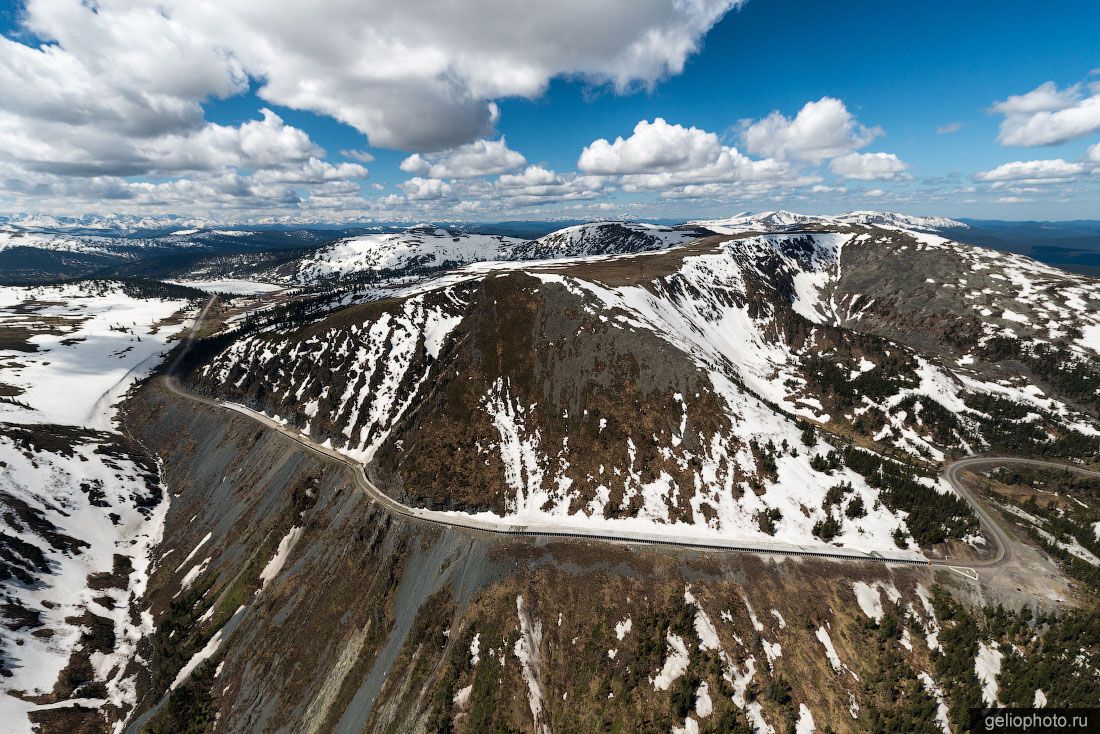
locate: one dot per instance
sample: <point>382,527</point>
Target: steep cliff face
<point>279,591</point>
<point>284,600</point>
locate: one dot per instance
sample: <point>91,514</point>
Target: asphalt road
<point>994,532</point>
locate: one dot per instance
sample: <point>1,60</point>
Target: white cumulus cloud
<point>109,90</point>
<point>1048,115</point>
<point>868,166</point>
<point>256,144</point>
<point>654,146</point>
<point>409,74</point>
<point>1044,170</point>
<point>531,176</point>
<point>480,158</point>
<point>1092,155</point>
<point>659,156</point>
<point>821,129</point>
<point>362,156</point>
<point>426,188</point>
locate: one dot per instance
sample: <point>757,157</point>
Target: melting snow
<point>830,651</point>
<point>805,720</point>
<point>703,705</point>
<point>708,635</point>
<point>194,573</point>
<point>527,650</point>
<point>869,600</point>
<point>475,647</point>
<point>462,697</point>
<point>275,565</point>
<point>675,664</point>
<point>987,665</point>
<point>194,551</point>
<point>932,628</point>
<point>204,654</point>
<point>942,712</point>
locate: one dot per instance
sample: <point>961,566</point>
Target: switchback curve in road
<point>1002,555</point>
<point>993,529</point>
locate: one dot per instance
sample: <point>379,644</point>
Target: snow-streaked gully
<point>994,533</point>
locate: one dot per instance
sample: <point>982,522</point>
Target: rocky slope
<point>285,600</point>
<point>678,390</point>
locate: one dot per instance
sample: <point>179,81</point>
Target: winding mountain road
<point>994,532</point>
<point>993,529</point>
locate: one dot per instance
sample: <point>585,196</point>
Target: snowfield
<point>231,286</point>
<point>87,346</point>
<point>99,502</point>
<point>78,497</point>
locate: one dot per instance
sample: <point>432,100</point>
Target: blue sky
<point>910,119</point>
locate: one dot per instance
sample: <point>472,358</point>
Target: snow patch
<point>527,651</point>
<point>805,723</point>
<point>275,565</point>
<point>987,666</point>
<point>675,664</point>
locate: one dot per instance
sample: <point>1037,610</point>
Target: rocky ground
<point>415,628</point>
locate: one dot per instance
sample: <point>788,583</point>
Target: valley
<point>579,482</point>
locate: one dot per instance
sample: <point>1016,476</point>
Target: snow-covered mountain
<point>42,255</point>
<point>417,248</point>
<point>100,222</point>
<point>903,221</point>
<point>14,237</point>
<point>669,392</point>
<point>780,220</point>
<point>747,221</point>
<point>795,387</point>
<point>424,248</point>
<point>190,239</point>
<point>602,238</point>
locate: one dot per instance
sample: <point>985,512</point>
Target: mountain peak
<point>780,220</point>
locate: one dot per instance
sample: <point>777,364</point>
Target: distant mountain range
<point>777,220</point>
<point>43,249</point>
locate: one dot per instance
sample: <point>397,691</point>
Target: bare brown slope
<point>537,345</point>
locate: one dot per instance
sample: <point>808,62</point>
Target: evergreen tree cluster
<point>932,517</point>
